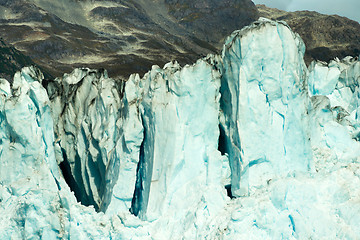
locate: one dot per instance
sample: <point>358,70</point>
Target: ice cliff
<point>99,137</point>
<point>249,144</point>
<point>264,102</point>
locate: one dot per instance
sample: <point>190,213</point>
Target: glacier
<point>247,144</point>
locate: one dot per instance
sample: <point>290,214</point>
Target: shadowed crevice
<point>138,196</point>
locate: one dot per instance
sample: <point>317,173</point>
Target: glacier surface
<point>250,144</point>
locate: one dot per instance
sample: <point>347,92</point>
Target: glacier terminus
<point>248,144</point>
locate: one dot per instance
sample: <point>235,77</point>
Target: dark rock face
<point>11,61</point>
<point>325,36</point>
<point>130,36</point>
<point>119,35</point>
<point>219,18</point>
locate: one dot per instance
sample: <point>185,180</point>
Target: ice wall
<point>35,200</point>
<point>180,167</point>
<point>323,203</point>
<point>29,176</point>
<point>99,134</point>
<point>161,131</point>
<point>264,102</point>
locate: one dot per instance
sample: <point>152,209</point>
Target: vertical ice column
<point>264,102</point>
<point>179,161</point>
<point>29,178</point>
<point>27,134</point>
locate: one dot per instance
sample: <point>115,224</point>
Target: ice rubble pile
<point>149,158</point>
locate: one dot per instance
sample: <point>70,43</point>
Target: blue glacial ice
<point>99,137</point>
<point>85,156</point>
<point>179,110</point>
<point>264,102</point>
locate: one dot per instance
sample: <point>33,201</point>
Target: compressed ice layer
<point>265,102</point>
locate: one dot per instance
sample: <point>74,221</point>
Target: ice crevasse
<point>158,157</point>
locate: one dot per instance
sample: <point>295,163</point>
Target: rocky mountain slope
<point>121,36</point>
<point>11,61</point>
<point>325,36</point>
<point>129,36</point>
